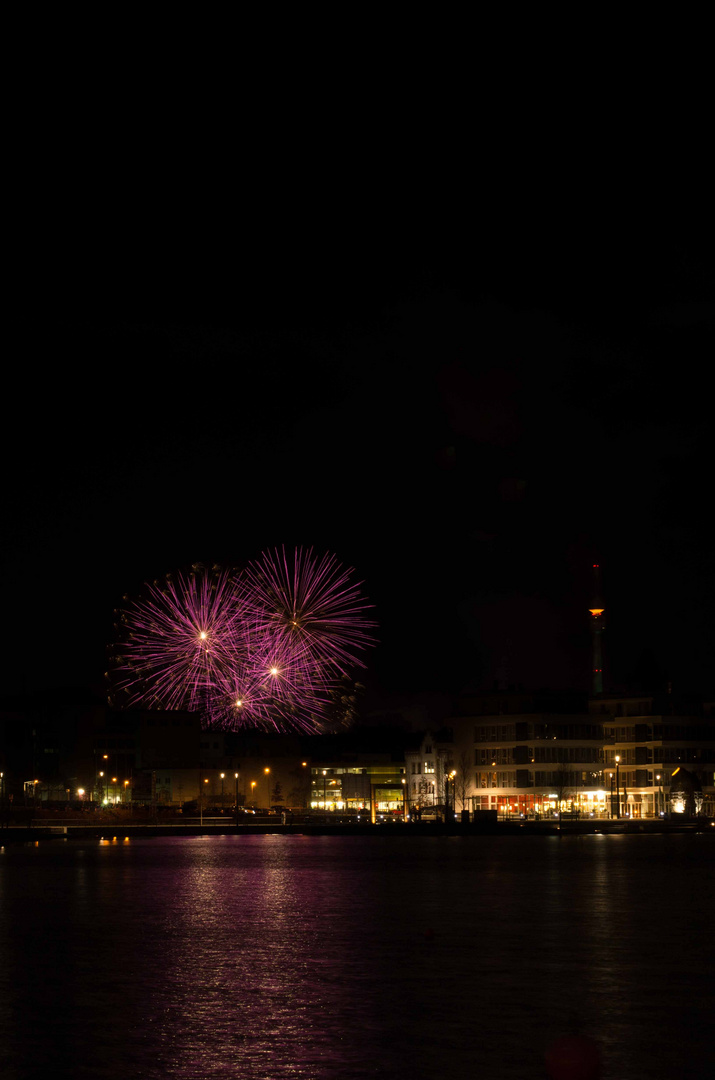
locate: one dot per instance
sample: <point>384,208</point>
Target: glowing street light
<point>222,776</point>
<point>268,786</point>
<point>618,787</point>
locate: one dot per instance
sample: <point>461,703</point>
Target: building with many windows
<point>646,742</point>
<point>540,754</point>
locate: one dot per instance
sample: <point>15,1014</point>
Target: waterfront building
<point>529,755</point>
<point>615,756</point>
<point>649,738</point>
<point>358,770</point>
<point>427,768</point>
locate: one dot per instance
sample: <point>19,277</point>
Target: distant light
<point>596,611</point>
<point>595,566</point>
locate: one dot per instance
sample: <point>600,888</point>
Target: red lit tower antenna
<point>598,625</point>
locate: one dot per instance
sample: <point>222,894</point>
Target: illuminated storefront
<point>378,787</point>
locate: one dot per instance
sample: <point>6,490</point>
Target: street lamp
<point>236,793</point>
<point>222,776</point>
<point>268,787</point>
<point>325,772</point>
<point>618,787</point>
<point>253,794</point>
<point>660,792</point>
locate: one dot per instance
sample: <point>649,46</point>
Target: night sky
<point>469,424</point>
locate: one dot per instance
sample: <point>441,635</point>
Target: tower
<point>598,625</point>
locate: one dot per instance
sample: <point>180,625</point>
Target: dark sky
<point>470,425</point>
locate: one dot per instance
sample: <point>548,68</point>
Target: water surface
<point>272,957</point>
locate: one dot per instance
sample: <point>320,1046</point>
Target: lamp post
<point>253,793</point>
<point>267,771</point>
<point>618,787</point>
<point>236,793</point>
<point>325,772</point>
<point>222,776</point>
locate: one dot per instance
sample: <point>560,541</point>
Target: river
<point>272,957</point>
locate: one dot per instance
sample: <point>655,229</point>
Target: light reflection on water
<point>271,957</point>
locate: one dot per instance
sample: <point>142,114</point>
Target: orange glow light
<point>596,611</point>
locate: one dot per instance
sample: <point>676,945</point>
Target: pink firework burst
<point>180,638</point>
<point>309,605</point>
<point>271,689</point>
<point>269,648</point>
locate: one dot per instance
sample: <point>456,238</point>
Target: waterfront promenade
<point>45,828</point>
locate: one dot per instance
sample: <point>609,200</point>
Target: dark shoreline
<point>115,831</point>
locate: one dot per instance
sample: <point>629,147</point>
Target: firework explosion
<point>180,639</point>
<point>309,605</point>
<point>270,647</point>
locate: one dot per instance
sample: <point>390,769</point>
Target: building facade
<point>614,758</point>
